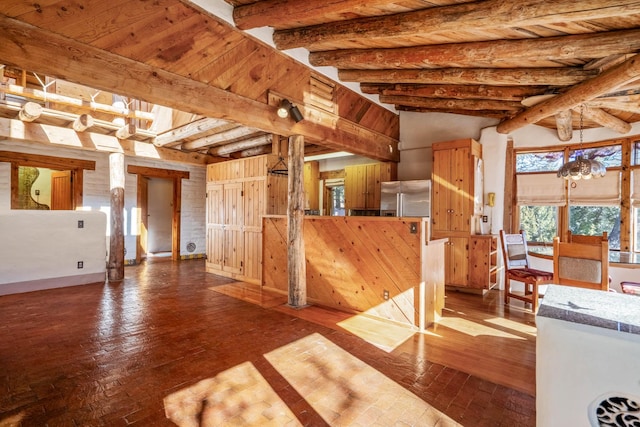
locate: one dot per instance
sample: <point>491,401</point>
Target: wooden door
<point>254,205</point>
<point>61,191</point>
<point>215,226</point>
<point>233,246</point>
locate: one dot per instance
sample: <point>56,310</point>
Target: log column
<point>115,267</point>
<point>295,218</point>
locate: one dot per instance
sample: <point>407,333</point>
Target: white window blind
<point>596,191</point>
<point>540,189</point>
<point>635,188</point>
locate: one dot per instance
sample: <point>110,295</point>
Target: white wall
<point>41,249</point>
<point>96,195</point>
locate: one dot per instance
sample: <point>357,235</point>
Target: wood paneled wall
<point>351,262</point>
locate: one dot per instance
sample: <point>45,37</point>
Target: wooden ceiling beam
<point>481,15</point>
<point>564,125</point>
<point>189,130</point>
<point>505,93</point>
<point>606,82</point>
<point>490,113</point>
<point>452,104</point>
<point>32,48</point>
<point>472,76</point>
<point>230,132</point>
<point>245,144</point>
<point>270,13</point>
<point>493,52</point>
<point>605,119</point>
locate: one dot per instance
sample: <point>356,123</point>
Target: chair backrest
<point>590,240</point>
<point>514,250</point>
<point>584,265</point>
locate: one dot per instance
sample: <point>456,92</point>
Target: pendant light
<point>581,168</point>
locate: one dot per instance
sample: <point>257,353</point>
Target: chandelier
<point>581,168</point>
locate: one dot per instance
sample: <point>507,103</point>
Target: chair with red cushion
<point>631,288</point>
<point>516,263</point>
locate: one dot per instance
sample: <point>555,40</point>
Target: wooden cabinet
<point>239,193</point>
<point>456,207</point>
<point>455,171</point>
<point>311,185</point>
<point>362,184</point>
<point>483,262</point>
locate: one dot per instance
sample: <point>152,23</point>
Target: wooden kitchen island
<point>382,266</point>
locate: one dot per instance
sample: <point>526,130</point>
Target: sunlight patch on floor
<point>345,391</point>
<point>237,396</point>
<point>510,324</point>
<point>386,336</point>
<point>474,329</point>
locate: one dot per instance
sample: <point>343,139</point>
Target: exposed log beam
<point>453,104</point>
<point>491,53</point>
<point>55,136</point>
<point>197,127</point>
<point>605,119</point>
<point>269,13</point>
<point>490,14</point>
<point>228,133</point>
<point>107,71</point>
<point>491,114</point>
<point>30,112</point>
<point>564,125</point>
<point>68,101</point>
<point>505,93</point>
<point>488,76</point>
<point>613,104</point>
<point>82,123</point>
<point>224,150</point>
<point>608,81</point>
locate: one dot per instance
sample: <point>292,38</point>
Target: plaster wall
<point>96,193</point>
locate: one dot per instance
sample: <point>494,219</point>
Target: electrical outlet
<point>385,294</point>
<point>37,192</point>
<point>80,223</point>
<point>413,227</point>
<point>485,218</point>
<point>80,264</point>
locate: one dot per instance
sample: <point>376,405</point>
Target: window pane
<point>609,156</point>
<point>538,162</point>
<point>539,222</point>
<point>637,227</point>
<point>635,155</point>
<point>594,220</point>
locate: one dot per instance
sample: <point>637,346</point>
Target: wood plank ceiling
<point>519,61</point>
<point>175,54</point>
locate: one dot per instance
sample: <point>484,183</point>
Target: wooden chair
<point>585,265</point>
<point>582,238</point>
<point>516,263</point>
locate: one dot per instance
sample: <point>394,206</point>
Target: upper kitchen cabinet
<point>457,186</point>
<point>362,185</point>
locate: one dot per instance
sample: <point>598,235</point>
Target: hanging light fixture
<point>581,168</point>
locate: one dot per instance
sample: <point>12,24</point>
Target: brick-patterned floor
<point>108,355</point>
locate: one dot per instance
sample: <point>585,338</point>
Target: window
<point>548,206</point>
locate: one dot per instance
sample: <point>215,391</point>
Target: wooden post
<point>295,216</point>
<point>115,267</point>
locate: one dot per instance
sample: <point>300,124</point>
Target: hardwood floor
<point>113,354</point>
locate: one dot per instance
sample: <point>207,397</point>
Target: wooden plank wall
<point>351,261</point>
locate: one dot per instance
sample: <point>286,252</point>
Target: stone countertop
<point>607,310</point>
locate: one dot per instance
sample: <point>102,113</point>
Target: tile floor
<point>113,355</point>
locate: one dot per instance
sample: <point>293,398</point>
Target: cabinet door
<point>482,262</point>
<point>355,187</point>
<point>311,181</point>
<point>461,180</point>
<point>441,190</point>
<point>373,187</point>
<point>457,260</point>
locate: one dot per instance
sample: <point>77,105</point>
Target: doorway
<point>159,216</point>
